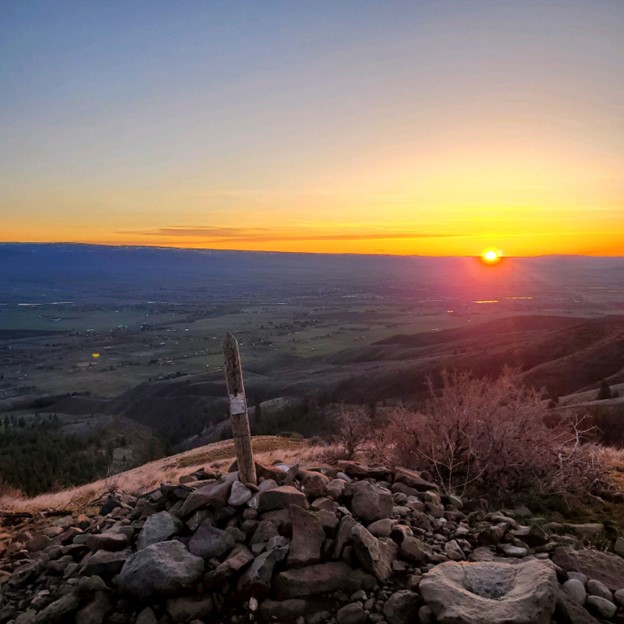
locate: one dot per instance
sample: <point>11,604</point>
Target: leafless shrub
<point>113,475</point>
<point>353,430</point>
<point>491,437</point>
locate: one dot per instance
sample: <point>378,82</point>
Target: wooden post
<point>238,410</point>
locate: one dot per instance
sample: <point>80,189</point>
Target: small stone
<point>576,589</point>
<point>381,528</point>
<point>189,608</point>
<point>453,551</point>
<point>239,494</point>
<point>402,607</point>
<point>596,588</point>
<point>618,596</point>
<point>352,613</point>
<point>618,546</point>
<point>579,576</point>
<point>107,541</point>
<point>601,607</point>
<point>510,550</point>
<point>371,502</point>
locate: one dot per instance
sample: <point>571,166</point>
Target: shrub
<point>491,438</point>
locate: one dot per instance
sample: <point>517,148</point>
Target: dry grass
<point>218,457</point>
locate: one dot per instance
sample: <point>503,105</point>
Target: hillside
<point>175,542</point>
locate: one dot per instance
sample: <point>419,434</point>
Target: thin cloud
<point>260,235</point>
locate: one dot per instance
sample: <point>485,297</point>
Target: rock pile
<point>351,544</point>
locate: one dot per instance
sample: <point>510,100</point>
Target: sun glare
<point>491,256</point>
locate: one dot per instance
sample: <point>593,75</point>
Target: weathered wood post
<point>238,410</point>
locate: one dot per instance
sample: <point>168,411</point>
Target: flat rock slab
<point>322,578</point>
<point>281,498</point>
<point>491,592</point>
<point>604,567</point>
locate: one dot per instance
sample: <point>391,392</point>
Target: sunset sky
<point>414,127</point>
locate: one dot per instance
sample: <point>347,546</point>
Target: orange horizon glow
<point>433,129</point>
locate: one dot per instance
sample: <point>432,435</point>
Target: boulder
<point>374,555</point>
<point>164,568</point>
<point>215,494</point>
<point>413,479</point>
<point>105,563</point>
<point>371,502</point>
<point>256,580</point>
<point>189,608</point>
<point>343,536</point>
<point>210,541</point>
<point>107,541</point>
<point>239,494</point>
<point>282,610</point>
<point>281,498</point>
<point>96,611</point>
<point>571,612</point>
<point>491,592</point>
<point>320,579</point>
<point>58,611</point>
<point>307,537</point>
<point>601,566</point>
<point>159,527</point>
<point>576,589</point>
<point>238,559</point>
<point>402,607</point>
<point>352,613</point>
<point>601,607</point>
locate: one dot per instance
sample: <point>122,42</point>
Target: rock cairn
<point>351,544</point>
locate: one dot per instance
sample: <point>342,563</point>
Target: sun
<point>491,256</point>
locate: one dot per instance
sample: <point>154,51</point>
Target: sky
<point>420,127</point>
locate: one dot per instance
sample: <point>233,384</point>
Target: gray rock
<point>413,479</point>
<point>107,541</point>
<point>215,494</point>
<point>570,612</point>
<point>239,494</point>
<point>402,607</point>
<point>189,608</point>
<point>164,568</point>
<point>461,593</point>
<point>618,597</point>
<point>596,588</point>
<point>210,541</point>
<point>374,555</point>
<point>413,550</point>
<point>576,589</point>
<point>105,563</point>
<point>352,613</point>
<point>381,528</point>
<point>509,550</point>
<point>307,537</point>
<point>321,578</point>
<point>146,616</point>
<point>281,498</point>
<point>58,611</point>
<point>604,567</point>
<point>579,576</point>
<point>96,611</point>
<point>238,559</point>
<point>601,607</point>
<point>256,580</point>
<point>453,551</point>
<point>343,536</point>
<point>618,546</point>
<point>159,527</point>
<point>371,502</point>
<point>282,610</point>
